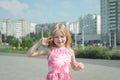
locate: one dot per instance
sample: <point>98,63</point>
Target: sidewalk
<point>20,67</point>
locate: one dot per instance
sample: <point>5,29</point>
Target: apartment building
<point>22,28</point>
<point>73,27</point>
<point>89,25</point>
<point>17,28</point>
<point>110,22</point>
<point>45,28</point>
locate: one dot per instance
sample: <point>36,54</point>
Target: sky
<point>48,11</point>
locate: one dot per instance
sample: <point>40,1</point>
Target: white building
<point>73,27</point>
<point>89,26</point>
<point>17,28</point>
<point>32,27</point>
<point>7,27</point>
<point>98,24</point>
<point>88,23</point>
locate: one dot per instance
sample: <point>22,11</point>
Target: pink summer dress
<point>59,64</point>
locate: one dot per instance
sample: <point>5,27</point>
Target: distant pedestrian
<point>60,55</point>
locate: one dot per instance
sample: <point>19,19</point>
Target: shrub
<point>115,55</point>
<point>15,42</point>
<point>93,52</point>
<point>79,53</point>
<point>26,48</point>
<point>26,42</point>
<point>14,47</point>
<point>19,48</point>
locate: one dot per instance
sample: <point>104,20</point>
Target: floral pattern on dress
<point>61,60</point>
<point>59,64</point>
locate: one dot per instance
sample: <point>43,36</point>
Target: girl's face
<point>59,39</point>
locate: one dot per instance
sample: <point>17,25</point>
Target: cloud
<point>13,6</point>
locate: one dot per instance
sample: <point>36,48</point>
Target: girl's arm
<point>32,52</point>
<point>76,65</point>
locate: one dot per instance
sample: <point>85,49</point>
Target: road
<point>21,67</point>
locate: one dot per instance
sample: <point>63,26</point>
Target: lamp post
<point>75,39</point>
<point>42,31</point>
<point>83,38</point>
<point>0,37</point>
<point>76,25</point>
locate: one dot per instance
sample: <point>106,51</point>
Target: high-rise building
<point>99,25</point>
<point>88,23</point>
<point>17,28</point>
<point>7,28</point>
<point>22,28</point>
<point>89,27</point>
<point>110,22</point>
<point>73,27</point>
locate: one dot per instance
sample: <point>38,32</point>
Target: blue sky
<point>48,11</point>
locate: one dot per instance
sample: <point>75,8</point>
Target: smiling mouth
<point>59,42</point>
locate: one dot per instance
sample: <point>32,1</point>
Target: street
<point>21,67</point>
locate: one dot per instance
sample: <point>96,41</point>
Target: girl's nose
<point>59,38</point>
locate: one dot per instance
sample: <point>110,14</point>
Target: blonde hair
<point>60,27</point>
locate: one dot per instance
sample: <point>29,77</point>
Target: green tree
<point>15,42</point>
<point>26,42</point>
<point>9,39</point>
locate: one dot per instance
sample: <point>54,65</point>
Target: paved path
<point>20,67</point>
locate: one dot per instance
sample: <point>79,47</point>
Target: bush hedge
<point>89,52</point>
<point>97,53</point>
<point>115,55</point>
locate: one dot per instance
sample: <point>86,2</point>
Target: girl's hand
<point>79,66</point>
<point>44,41</point>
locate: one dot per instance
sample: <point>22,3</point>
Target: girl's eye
<point>56,36</point>
<point>62,36</point>
<point>59,36</point>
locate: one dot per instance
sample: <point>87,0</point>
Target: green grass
<point>8,50</point>
<point>14,50</point>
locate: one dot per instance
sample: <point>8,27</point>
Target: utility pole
<point>0,37</point>
<point>42,31</point>
<point>83,38</point>
<point>75,39</point>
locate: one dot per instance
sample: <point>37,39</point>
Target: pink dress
<point>59,64</point>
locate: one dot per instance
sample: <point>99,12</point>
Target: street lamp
<point>76,34</point>
<point>42,31</point>
<point>75,39</point>
<point>83,36</point>
<point>0,37</point>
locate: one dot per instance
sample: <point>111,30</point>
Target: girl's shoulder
<point>71,51</point>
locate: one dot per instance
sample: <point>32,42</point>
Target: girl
<point>60,55</point>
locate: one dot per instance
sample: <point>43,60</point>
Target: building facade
<point>89,27</point>
<point>88,23</point>
<point>73,27</point>
<point>110,22</point>
<point>17,28</point>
